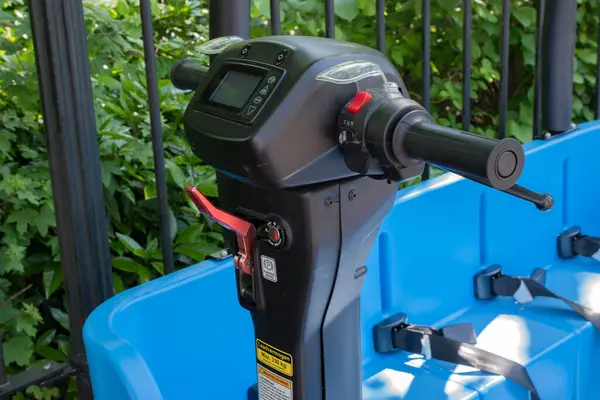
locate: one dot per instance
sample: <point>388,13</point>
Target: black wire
<point>156,129</point>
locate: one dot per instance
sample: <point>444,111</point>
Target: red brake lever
<point>244,230</point>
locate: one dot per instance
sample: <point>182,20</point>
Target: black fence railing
<point>64,81</point>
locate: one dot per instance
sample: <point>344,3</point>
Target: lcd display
<point>235,89</point>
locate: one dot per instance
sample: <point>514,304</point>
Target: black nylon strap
<point>505,285</point>
<point>586,246</point>
<point>411,338</point>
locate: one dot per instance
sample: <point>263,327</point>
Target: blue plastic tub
<point>184,336</point>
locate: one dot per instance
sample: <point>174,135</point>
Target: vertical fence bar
<point>59,38</point>
<point>3,375</point>
<point>426,44</point>
<point>276,17</point>
<point>504,55</point>
<point>558,61</point>
<point>157,136</point>
<point>537,96</point>
<point>330,19</point>
<point>229,17</point>
<point>466,95</point>
<point>380,25</point>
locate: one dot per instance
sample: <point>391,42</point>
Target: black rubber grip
<point>187,75</point>
<point>500,163</point>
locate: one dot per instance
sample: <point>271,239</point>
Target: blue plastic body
<point>184,336</point>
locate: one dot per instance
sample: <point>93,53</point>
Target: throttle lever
<point>245,232</point>
<point>543,201</point>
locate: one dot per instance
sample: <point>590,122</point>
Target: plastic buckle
<point>382,332</point>
<point>539,275</point>
<point>482,282</point>
<point>565,242</point>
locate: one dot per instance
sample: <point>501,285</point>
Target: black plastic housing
<point>291,140</point>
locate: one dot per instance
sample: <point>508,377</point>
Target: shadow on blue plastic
<point>184,336</point>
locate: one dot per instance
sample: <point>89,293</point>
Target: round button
<point>506,164</point>
<point>275,234</point>
<point>281,56</point>
<point>245,50</point>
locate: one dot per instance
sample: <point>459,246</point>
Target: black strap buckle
<point>490,283</point>
<point>572,243</point>
<point>453,344</point>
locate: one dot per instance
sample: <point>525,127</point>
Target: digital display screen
<point>235,89</point>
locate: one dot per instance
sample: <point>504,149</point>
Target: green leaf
<point>346,9</point>
<point>190,234</point>
<point>45,338</point>
<point>196,252</point>
<point>22,218</point>
<point>18,350</point>
<point>32,312</point>
<point>125,264</point>
<point>150,191</point>
<point>263,8</point>
<point>43,393</point>
<point>11,258</point>
<point>26,326</point>
<point>448,5</point>
<point>367,7</point>
<point>44,220</point>
<point>50,353</point>
<point>145,274</point>
<point>159,267</point>
<point>398,55</point>
<point>122,7</point>
<point>523,133</point>
<point>172,225</point>
<point>129,243</point>
<point>128,193</point>
<point>61,317</point>
<point>525,15</point>
<point>155,8</point>
<point>587,56</point>
<point>175,173</point>
<point>119,286</point>
<point>52,280</point>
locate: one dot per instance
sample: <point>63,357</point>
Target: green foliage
<point>33,317</point>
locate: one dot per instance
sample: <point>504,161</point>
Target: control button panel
<point>241,89</point>
<point>262,94</point>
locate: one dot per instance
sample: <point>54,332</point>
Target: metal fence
<point>64,80</point>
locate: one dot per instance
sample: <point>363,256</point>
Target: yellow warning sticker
<point>272,386</point>
<point>274,358</point>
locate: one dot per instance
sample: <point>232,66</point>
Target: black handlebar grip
<point>187,75</point>
<point>500,163</point>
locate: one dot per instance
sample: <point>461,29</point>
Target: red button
<point>274,233</point>
<point>359,100</point>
